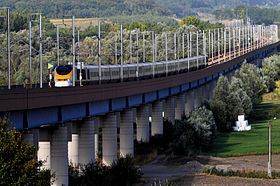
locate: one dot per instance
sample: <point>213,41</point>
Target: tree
<point>122,172</point>
<point>253,81</point>
<point>222,89</point>
<point>18,165</point>
<point>236,86</point>
<point>271,70</point>
<point>219,104</point>
<point>190,20</point>
<point>195,133</point>
<point>205,124</point>
<point>229,102</point>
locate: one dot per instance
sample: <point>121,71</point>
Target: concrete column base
<point>96,145</point>
<point>59,155</point>
<point>44,153</point>
<point>126,134</point>
<point>142,124</point>
<point>73,150</point>
<point>157,120</point>
<point>86,142</point>
<point>180,107</point>
<point>205,92</point>
<point>189,106</point>
<point>109,139</point>
<point>96,136</point>
<point>212,88</point>
<point>169,111</point>
<point>198,97</point>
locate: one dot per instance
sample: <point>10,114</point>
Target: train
<point>112,73</point>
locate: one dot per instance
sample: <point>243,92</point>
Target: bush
<point>122,172</point>
<point>194,133</point>
<point>243,173</point>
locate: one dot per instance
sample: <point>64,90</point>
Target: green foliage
<point>190,7</point>
<point>195,133</point>
<point>154,23</point>
<point>253,81</point>
<point>18,165</point>
<point>88,8</point>
<point>230,100</point>
<point>245,91</point>
<point>244,174</point>
<point>271,70</point>
<point>190,20</point>
<point>122,172</point>
<point>19,20</point>
<point>257,15</point>
<point>201,25</point>
<point>248,142</point>
<point>236,87</point>
<point>219,105</point>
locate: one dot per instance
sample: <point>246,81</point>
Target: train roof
<point>142,64</point>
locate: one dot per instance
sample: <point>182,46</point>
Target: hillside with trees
<point>184,8</point>
<point>256,14</point>
<point>109,8</point>
<point>87,8</point>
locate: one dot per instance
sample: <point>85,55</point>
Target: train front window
<point>64,69</point>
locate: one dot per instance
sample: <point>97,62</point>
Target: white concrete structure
<point>86,143</point>
<point>44,153</point>
<point>126,133</point>
<point>109,139</point>
<point>142,124</point>
<point>81,148</point>
<point>169,111</point>
<point>198,97</point>
<point>241,124</point>
<point>213,84</point>
<point>96,136</point>
<point>59,154</point>
<point>189,106</point>
<point>157,120</point>
<point>205,92</point>
<point>180,106</point>
<point>73,149</point>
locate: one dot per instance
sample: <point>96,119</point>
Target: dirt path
<point>187,171</point>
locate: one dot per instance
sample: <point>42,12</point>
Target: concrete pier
<point>109,139</point>
<point>126,133</point>
<point>180,106</point>
<point>198,97</point>
<point>59,154</point>
<point>169,111</point>
<point>142,124</point>
<point>157,120</point>
<point>189,106</point>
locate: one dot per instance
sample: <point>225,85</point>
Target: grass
<point>254,142</point>
<point>244,174</point>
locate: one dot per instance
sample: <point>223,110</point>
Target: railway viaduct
<point>64,123</point>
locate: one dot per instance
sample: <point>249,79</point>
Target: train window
<point>63,69</point>
<point>93,74</point>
